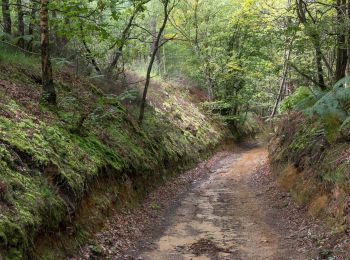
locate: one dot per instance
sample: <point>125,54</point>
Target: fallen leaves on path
<point>122,234</point>
<point>123,231</point>
<point>312,236</point>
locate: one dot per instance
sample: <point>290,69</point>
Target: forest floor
<point>227,208</point>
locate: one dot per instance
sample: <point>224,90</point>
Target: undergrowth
<point>312,137</point>
<point>52,158</point>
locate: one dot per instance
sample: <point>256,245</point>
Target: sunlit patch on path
<point>223,218</point>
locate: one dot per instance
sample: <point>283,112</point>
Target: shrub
<point>300,96</point>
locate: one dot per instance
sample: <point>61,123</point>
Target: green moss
<point>14,254</point>
<point>48,166</point>
<point>97,250</point>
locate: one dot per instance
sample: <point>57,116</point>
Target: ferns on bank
<point>331,107</point>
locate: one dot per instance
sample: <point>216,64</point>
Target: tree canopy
<point>247,55</point>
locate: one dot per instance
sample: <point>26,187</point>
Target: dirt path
<point>228,207</point>
<point>224,217</point>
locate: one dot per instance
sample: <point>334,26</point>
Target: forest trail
<point>224,217</point>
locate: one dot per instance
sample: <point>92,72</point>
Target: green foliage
<point>47,167</point>
<point>97,250</point>
<point>341,83</point>
<point>299,96</point>
<point>345,129</point>
<point>328,105</point>
<point>11,55</point>
<point>131,94</point>
<point>234,55</point>
<point>331,107</point>
<point>156,206</point>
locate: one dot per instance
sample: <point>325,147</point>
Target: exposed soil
<point>121,234</point>
<point>224,217</point>
<point>227,208</point>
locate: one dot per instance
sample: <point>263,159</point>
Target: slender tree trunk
<point>210,87</point>
<point>342,55</point>
<point>197,49</point>
<point>209,83</point>
<point>283,82</point>
<point>153,29</point>
<point>144,96</point>
<point>287,53</point>
<point>125,35</point>
<point>32,18</point>
<point>117,55</point>
<point>301,10</point>
<point>31,24</point>
<point>196,36</point>
<point>164,61</point>
<point>348,45</point>
<point>90,55</point>
<point>167,12</point>
<point>20,23</point>
<point>49,93</point>
<point>319,65</point>
<point>153,26</point>
<point>6,14</point>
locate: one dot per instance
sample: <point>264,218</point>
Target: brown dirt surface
<point>229,207</point>
<point>230,212</point>
<point>122,232</point>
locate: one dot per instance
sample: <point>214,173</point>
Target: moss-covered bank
<point>63,168</point>
<point>314,166</point>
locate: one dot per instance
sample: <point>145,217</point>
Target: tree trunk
<point>6,14</point>
<point>283,82</point>
<point>125,35</point>
<point>20,23</point>
<point>90,55</point>
<point>348,45</point>
<point>209,79</point>
<point>32,18</point>
<point>164,61</point>
<point>31,24</point>
<point>301,10</point>
<point>153,58</point>
<point>153,26</point>
<point>210,86</point>
<point>117,55</point>
<point>196,37</point>
<point>341,42</point>
<point>49,93</point>
<point>319,65</point>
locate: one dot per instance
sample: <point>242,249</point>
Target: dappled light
<point>174,129</point>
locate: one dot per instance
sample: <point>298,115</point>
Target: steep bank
<point>64,169</point>
<point>312,162</point>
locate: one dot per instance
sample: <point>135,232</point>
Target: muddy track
<point>223,217</point>
<point>228,207</point>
